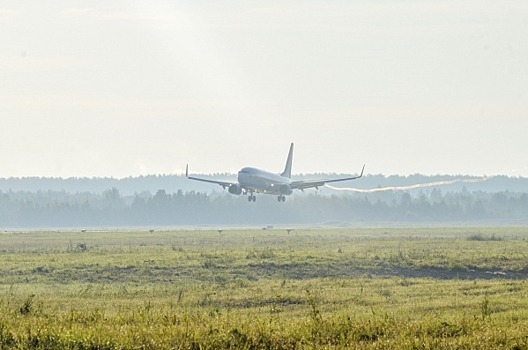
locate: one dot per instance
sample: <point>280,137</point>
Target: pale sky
<point>127,88</point>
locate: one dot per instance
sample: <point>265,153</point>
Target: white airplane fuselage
<point>262,181</point>
<point>253,180</point>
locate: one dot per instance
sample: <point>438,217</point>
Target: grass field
<point>410,288</point>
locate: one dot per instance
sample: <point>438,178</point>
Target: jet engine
<point>285,189</point>
<point>235,189</point>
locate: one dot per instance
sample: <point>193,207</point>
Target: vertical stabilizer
<point>287,168</point>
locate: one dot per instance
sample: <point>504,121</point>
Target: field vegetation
<point>410,288</point>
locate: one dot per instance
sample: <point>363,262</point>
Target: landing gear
<point>252,198</point>
<point>281,198</point>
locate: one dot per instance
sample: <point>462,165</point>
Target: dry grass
<point>359,288</point>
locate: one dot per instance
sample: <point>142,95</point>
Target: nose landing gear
<point>281,198</point>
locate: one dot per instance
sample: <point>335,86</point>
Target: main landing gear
<point>252,198</point>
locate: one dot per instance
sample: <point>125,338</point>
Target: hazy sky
<point>125,88</point>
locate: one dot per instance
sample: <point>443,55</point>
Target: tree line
<point>48,209</point>
<point>172,183</point>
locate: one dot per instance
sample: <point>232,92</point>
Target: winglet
<point>187,170</point>
<point>360,175</point>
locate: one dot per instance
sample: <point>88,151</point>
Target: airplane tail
<point>287,168</point>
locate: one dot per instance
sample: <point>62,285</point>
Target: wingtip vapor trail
<point>409,187</point>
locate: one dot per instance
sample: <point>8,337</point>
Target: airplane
<point>253,180</point>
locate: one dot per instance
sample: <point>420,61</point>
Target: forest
<point>56,208</point>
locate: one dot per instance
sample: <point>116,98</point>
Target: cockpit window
<point>244,171</point>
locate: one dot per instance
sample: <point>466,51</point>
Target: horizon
<point>293,176</point>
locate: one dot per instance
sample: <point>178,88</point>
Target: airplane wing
<point>301,185</point>
<point>224,184</point>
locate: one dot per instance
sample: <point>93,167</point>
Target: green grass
<point>414,288</point>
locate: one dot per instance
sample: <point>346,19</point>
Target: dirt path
<point>307,271</point>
